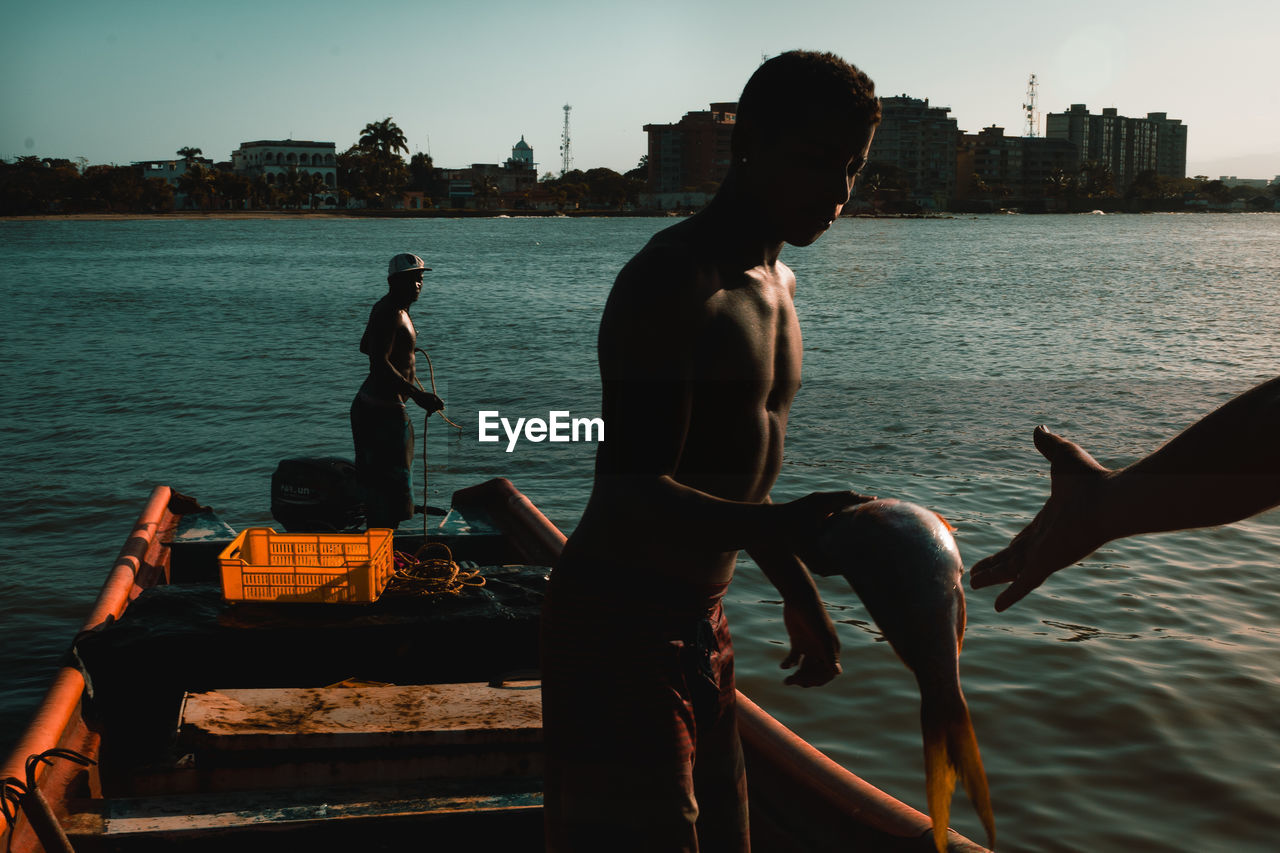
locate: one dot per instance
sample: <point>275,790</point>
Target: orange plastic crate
<point>263,565</point>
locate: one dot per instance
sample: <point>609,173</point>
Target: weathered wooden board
<point>399,716</point>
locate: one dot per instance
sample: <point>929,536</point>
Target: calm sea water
<point>1133,703</point>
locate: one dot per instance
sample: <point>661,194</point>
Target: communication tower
<point>566,152</point>
<point>1029,108</point>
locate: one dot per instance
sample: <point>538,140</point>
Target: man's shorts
<point>639,721</point>
<point>383,438</point>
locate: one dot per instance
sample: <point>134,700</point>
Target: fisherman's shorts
<point>383,437</point>
<point>639,719</point>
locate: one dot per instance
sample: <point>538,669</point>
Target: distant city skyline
<point>133,81</point>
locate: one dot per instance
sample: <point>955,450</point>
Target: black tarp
<point>180,638</point>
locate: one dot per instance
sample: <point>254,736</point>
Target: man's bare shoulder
<point>384,309</point>
<point>670,266</point>
<point>386,320</point>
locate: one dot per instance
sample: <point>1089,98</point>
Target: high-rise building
<point>989,163</point>
<point>921,141</point>
<point>692,154</point>
<point>1126,146</point>
<point>1171,145</point>
<point>1044,161</point>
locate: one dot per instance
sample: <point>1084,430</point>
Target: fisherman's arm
<point>381,347</point>
<point>1224,468</point>
<point>814,644</point>
<point>648,495</point>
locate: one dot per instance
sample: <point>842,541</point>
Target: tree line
<point>886,186</point>
<point>371,173</point>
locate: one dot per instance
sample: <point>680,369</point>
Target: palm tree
<point>157,194</point>
<point>1059,183</point>
<point>1097,179</point>
<point>196,183</point>
<point>264,194</point>
<point>189,153</point>
<point>233,188</point>
<point>291,186</point>
<point>421,170</point>
<point>386,136</point>
<point>315,186</point>
<point>641,171</point>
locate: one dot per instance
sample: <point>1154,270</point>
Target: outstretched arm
<point>1224,468</point>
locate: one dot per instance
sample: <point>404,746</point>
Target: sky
<point>130,80</point>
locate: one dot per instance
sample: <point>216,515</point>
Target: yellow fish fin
<point>951,752</point>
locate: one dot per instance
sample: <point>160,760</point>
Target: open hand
<point>1065,531</point>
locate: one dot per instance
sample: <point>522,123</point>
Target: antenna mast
<point>1029,108</point>
<point>566,153</point>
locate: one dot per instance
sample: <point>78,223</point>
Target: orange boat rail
<point>538,539</point>
<point>142,561</point>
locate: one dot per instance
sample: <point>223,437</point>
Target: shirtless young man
<point>380,425</point>
<point>700,354</point>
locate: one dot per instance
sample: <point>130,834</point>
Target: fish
<point>902,562</point>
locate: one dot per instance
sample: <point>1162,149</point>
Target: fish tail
<point>940,781</point>
<point>951,752</point>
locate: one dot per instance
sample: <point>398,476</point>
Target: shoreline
<point>282,215</point>
<point>195,215</point>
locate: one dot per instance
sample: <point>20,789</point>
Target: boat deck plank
<point>178,816</point>
<point>395,716</point>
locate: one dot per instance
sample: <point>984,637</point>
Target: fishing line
<point>431,372</point>
<point>441,574</point>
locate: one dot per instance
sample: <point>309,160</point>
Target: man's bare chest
<point>750,340</point>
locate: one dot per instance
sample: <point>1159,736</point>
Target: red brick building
<point>693,154</point>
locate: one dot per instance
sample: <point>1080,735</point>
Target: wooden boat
<point>183,721</point>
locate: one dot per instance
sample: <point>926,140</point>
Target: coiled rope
<point>426,574</point>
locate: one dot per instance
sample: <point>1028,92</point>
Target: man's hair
<point>804,83</point>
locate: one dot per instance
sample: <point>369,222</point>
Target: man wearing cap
<point>380,425</point>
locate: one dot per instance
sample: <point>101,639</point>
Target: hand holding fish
<point>1066,530</point>
<point>804,517</point>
